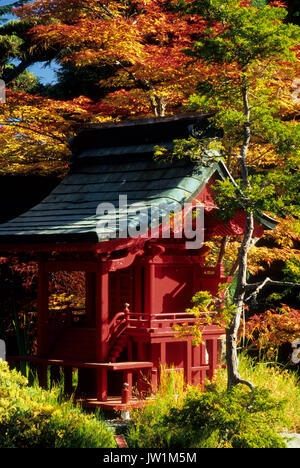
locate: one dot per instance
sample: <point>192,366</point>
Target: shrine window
<point>67,299</point>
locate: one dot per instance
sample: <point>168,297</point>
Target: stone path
<point>293,440</point>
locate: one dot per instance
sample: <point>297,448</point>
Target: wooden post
<point>138,290</point>
<point>150,291</point>
<point>42,323</point>
<point>152,288</point>
<point>86,377</point>
<point>203,362</point>
<point>119,306</point>
<point>196,362</point>
<point>163,353</point>
<point>155,358</point>
<point>54,375</point>
<point>188,371</point>
<point>104,314</point>
<point>102,332</point>
<point>68,388</point>
<point>128,381</point>
<point>212,348</point>
<point>102,385</point>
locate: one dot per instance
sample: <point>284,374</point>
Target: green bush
<point>34,418</point>
<point>212,419</point>
<point>239,419</point>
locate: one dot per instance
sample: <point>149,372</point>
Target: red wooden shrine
<point>138,288</point>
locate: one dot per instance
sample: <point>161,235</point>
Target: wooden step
<point>118,347</point>
<point>113,404</point>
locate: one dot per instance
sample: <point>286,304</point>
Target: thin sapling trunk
<point>233,375</point>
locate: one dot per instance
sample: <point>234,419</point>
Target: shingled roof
<point>108,161</point>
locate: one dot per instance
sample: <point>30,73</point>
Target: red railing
<point>165,321</point>
<point>117,327</point>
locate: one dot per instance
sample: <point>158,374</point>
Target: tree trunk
<point>158,105</point>
<point>233,375</point>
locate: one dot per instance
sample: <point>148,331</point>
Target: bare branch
<point>34,130</point>
<point>10,75</point>
<point>245,382</point>
<point>259,286</point>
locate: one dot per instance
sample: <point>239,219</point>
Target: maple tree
<point>34,133</point>
<point>244,45</point>
<point>135,50</point>
<point>267,332</point>
<point>15,43</point>
<point>142,42</point>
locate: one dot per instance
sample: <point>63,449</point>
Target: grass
<point>34,418</point>
<point>147,429</point>
<point>180,416</point>
<point>282,383</point>
<point>185,417</point>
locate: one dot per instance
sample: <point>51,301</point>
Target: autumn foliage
<point>143,43</point>
<point>139,49</point>
<point>146,62</point>
<point>269,331</point>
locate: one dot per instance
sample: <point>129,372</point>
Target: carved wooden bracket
<point>124,262</point>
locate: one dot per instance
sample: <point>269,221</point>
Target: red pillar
<point>138,290</point>
<point>150,291</point>
<point>196,363</point>
<point>188,370</point>
<point>203,362</point>
<point>212,348</point>
<point>163,353</point>
<point>127,379</point>
<point>155,358</point>
<point>43,325</point>
<point>102,332</point>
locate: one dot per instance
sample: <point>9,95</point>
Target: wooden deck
<point>114,366</point>
<point>113,403</point>
<point>123,402</point>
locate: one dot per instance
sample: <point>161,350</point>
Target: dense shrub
<point>218,419</point>
<point>282,383</point>
<point>33,418</point>
<point>239,419</point>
